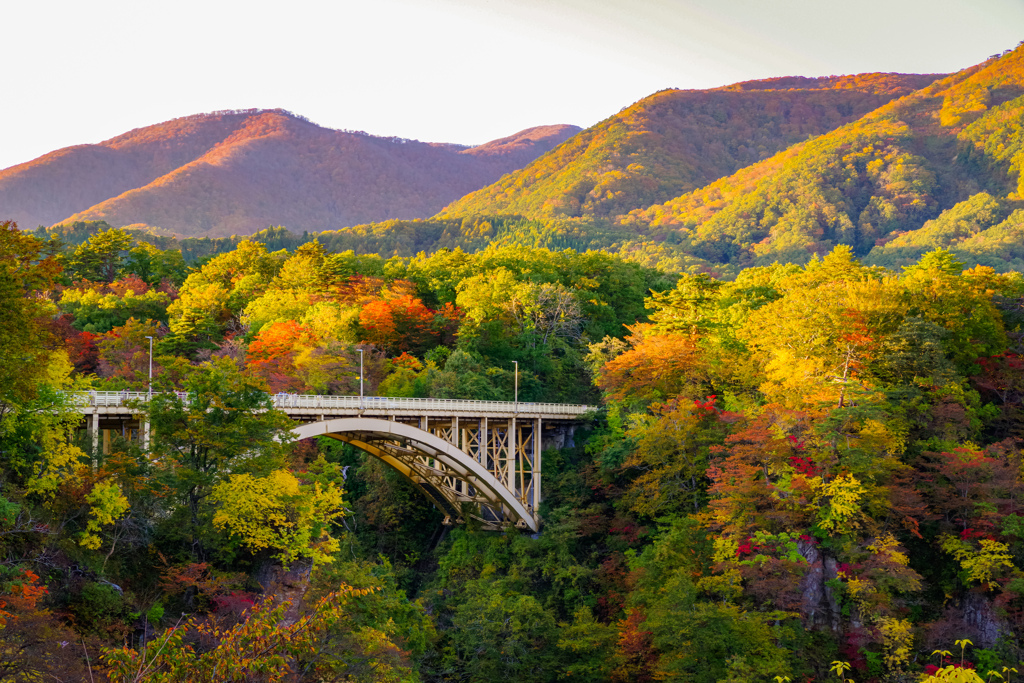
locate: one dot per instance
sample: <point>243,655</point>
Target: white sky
<point>463,71</point>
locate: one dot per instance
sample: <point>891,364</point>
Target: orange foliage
<point>407,361</point>
<point>130,283</point>
<point>634,652</point>
<point>398,323</point>
<point>658,366</point>
<point>20,597</point>
<point>272,354</point>
<point>277,340</point>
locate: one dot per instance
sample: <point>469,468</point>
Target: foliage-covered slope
<point>799,471</point>
<point>867,182</point>
<point>56,185</point>
<point>228,173</point>
<point>679,140</point>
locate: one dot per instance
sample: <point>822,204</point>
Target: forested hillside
<point>947,152</point>
<point>936,167</point>
<point>802,468</point>
<point>238,172</point>
<point>679,140</point>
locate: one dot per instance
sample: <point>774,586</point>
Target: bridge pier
<point>538,450</point>
<point>94,432</point>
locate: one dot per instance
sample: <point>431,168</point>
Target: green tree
<point>321,645</point>
<point>497,633</point>
<point>26,272</point>
<point>222,424</point>
<point>97,312</point>
<point>156,265</point>
<point>588,645</point>
<point>102,257</point>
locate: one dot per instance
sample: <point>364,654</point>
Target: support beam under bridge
<point>485,469</point>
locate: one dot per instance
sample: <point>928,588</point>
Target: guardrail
<point>292,402</point>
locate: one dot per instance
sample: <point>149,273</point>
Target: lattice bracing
<point>497,486</point>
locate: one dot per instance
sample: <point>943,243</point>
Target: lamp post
<point>150,366</point>
<point>360,379</point>
<point>145,427</point>
<point>516,399</point>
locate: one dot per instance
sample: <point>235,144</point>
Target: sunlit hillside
<point>954,146</point>
<point>678,140</point>
<point>56,185</point>
<point>238,172</point>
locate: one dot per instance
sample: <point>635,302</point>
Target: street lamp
<point>516,363</point>
<point>150,366</point>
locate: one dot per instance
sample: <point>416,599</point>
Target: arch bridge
<point>472,459</point>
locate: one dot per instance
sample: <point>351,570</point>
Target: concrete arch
<point>417,454</point>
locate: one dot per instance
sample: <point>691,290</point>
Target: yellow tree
<point>326,643</point>
<point>818,341</point>
<point>277,514</point>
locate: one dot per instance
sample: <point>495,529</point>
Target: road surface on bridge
<point>297,405</point>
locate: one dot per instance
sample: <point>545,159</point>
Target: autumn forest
<point>797,309</point>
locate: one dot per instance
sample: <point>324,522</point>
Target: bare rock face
<point>286,584</point>
<point>973,617</point>
<point>980,619</point>
<point>819,606</point>
<point>812,586</point>
<point>562,436</point>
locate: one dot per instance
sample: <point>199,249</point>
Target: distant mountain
<point>238,172</point>
<point>937,168</point>
<point>56,185</point>
<point>782,169</point>
<point>678,140</point>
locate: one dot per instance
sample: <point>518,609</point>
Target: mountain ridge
<point>866,183</point>
<point>198,175</point>
<point>107,168</point>
<point>678,140</point>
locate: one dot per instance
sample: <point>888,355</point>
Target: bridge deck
<point>302,405</point>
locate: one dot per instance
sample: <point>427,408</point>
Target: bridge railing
<point>111,399</point>
<point>291,402</point>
